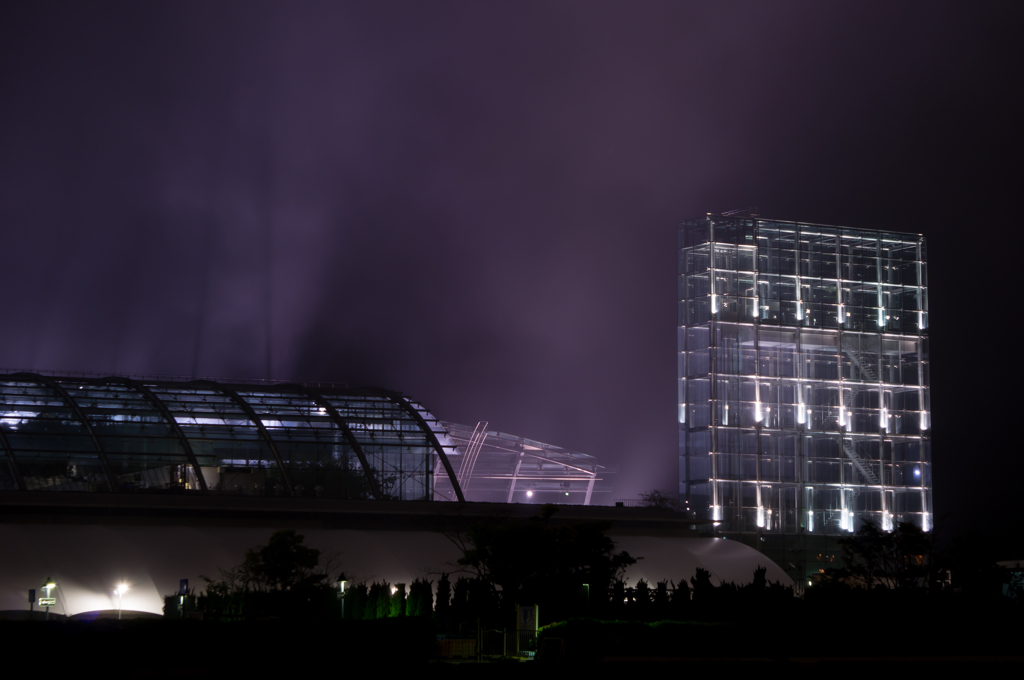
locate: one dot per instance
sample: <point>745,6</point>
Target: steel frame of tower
<point>803,376</point>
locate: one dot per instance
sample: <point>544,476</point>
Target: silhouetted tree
<point>536,563</point>
<point>680,599</point>
<point>643,597</point>
<point>895,559</point>
<point>282,578</point>
<point>442,609</point>
<point>355,601</point>
<point>656,498</point>
<point>378,601</point>
<point>420,600</point>
<point>703,590</point>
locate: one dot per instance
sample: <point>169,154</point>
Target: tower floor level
<point>803,376</point>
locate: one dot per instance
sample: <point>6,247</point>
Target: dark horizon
<point>476,205</point>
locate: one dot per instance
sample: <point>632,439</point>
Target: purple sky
<point>475,203</point>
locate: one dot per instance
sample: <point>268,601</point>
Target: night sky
<point>476,203</point>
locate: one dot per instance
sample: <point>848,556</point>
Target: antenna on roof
<point>742,212</point>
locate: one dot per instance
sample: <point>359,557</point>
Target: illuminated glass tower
<point>803,376</point>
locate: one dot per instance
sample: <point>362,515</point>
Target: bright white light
<point>714,304</point>
<point>841,315</point>
<point>122,589</point>
<point>886,520</point>
<point>842,419</point>
<point>885,419</point>
<point>757,305</point>
<point>758,416</point>
<point>920,320</point>
<point>810,520</point>
<point>924,420</point>
<point>393,590</point>
<point>716,512</point>
<point>682,413</point>
<point>799,311</point>
<point>926,522</point>
<point>917,472</point>
<point>881,317</point>
<point>725,415</point>
<point>846,520</point>
<point>529,494</point>
<point>760,516</point>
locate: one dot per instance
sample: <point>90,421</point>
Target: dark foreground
<point>834,644</point>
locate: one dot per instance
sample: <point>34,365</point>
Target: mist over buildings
<point>473,203</point>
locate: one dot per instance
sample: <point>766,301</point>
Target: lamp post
<point>48,586</point>
<point>121,589</point>
<point>341,595</point>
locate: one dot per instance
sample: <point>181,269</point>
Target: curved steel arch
<point>63,394</point>
<point>350,437</point>
<point>411,410</point>
<point>10,459</point>
<point>244,405</point>
<point>167,415</point>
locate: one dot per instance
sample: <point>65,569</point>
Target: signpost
<point>48,601</point>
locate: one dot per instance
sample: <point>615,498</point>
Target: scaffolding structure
<point>803,376</point>
<point>496,467</point>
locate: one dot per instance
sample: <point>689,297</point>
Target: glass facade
<point>803,376</point>
<point>158,436</point>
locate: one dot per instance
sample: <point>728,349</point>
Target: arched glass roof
<point>122,435</point>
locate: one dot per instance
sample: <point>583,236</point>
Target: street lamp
<point>121,589</point>
<point>48,586</point>
<point>341,595</point>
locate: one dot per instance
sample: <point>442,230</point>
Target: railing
<point>635,503</point>
<point>492,643</point>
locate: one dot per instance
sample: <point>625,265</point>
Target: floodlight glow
<point>758,416</point>
<point>714,304</point>
<point>529,494</point>
<point>760,517</point>
<point>122,589</point>
<point>841,315</point>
